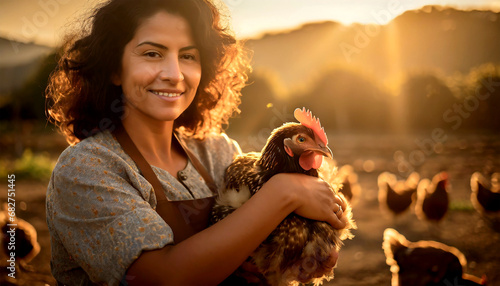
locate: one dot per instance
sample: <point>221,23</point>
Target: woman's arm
<point>208,257</point>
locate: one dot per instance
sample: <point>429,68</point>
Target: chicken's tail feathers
<point>495,180</point>
<point>385,179</point>
<point>422,188</point>
<point>412,180</point>
<point>392,242</point>
<point>422,191</point>
<point>476,179</point>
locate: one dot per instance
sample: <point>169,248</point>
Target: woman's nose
<point>171,71</point>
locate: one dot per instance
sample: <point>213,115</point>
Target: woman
<point>157,70</point>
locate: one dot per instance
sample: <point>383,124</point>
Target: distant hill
<point>432,38</point>
<point>413,74</point>
<point>18,61</point>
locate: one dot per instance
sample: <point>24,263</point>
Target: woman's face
<point>161,69</point>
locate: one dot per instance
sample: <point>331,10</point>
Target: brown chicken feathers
<point>425,263</point>
<point>299,249</point>
<point>485,198</point>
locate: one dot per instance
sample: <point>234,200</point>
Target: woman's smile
<point>166,94</point>
<point>169,95</point>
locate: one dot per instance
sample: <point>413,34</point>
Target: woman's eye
<point>188,57</point>
<point>152,54</point>
<point>301,139</point>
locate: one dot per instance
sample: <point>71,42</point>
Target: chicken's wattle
<point>310,160</point>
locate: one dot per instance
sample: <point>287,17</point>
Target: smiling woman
<point>142,96</point>
<point>97,57</point>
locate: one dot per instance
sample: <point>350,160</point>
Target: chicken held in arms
<point>299,250</point>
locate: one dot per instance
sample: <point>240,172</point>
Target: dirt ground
<point>362,261</point>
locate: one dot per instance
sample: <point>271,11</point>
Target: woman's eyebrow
<point>188,48</point>
<point>160,46</point>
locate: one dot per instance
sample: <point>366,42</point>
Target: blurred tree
<point>426,97</point>
<point>28,102</point>
<point>261,109</point>
<point>26,106</point>
<point>481,99</point>
<point>348,100</point>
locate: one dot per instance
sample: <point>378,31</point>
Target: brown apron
<point>185,217</point>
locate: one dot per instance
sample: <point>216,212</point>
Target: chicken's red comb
<point>308,120</point>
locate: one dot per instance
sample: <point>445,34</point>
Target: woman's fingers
<point>319,201</point>
<point>340,211</point>
<point>337,222</point>
<point>338,219</point>
<point>339,199</point>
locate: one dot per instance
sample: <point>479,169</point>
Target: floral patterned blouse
<point>100,209</point>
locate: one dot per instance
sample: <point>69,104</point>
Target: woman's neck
<point>154,139</point>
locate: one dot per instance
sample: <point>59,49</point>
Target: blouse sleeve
<point>99,210</point>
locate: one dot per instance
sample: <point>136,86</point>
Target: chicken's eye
<point>301,139</point>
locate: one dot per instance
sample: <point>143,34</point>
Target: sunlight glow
<point>37,21</point>
<point>251,18</point>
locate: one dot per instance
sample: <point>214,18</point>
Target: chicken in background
<point>432,198</point>
<point>395,197</point>
<point>299,250</point>
<point>425,263</point>
<point>485,198</point>
<point>26,244</point>
<point>350,186</point>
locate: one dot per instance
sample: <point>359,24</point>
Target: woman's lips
<point>167,94</point>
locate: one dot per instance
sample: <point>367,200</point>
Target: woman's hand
<point>313,197</point>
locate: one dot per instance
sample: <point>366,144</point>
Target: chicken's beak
<point>323,150</point>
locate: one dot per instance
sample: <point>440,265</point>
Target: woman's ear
<point>116,79</point>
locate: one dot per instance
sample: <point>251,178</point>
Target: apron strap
<point>146,170</point>
<point>209,181</point>
<point>144,167</point>
<point>186,217</point>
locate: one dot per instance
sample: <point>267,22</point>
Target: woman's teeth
<point>166,94</point>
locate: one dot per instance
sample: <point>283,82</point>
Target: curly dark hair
<point>82,100</point>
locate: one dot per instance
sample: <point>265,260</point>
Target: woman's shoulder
<point>222,141</point>
<point>212,142</point>
<point>215,151</point>
<point>101,146</point>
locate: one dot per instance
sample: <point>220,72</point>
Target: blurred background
<point>399,86</point>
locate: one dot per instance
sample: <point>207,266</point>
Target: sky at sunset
<point>45,21</point>
<point>253,16</point>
